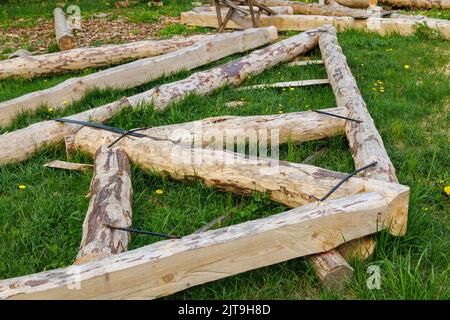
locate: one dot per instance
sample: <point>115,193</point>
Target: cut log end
<point>67,42</point>
<point>332,269</point>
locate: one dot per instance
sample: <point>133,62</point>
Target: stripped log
<point>82,58</point>
<point>20,53</point>
<point>305,62</point>
<point>332,269</point>
<point>35,136</point>
<point>284,9</point>
<point>169,266</point>
<point>288,183</point>
<point>139,72</point>
<point>57,164</point>
<point>288,84</point>
<point>365,142</point>
<point>318,9</point>
<point>419,4</point>
<point>381,26</point>
<point>64,36</point>
<point>111,199</point>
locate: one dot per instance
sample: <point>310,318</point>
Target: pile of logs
<point>328,232</point>
<point>362,15</point>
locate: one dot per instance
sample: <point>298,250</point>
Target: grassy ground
<point>40,226</point>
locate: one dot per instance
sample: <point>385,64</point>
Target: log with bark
<point>82,58</point>
<point>365,142</point>
<point>169,266</point>
<point>139,72</point>
<point>332,269</point>
<point>64,36</point>
<point>35,136</point>
<point>111,204</point>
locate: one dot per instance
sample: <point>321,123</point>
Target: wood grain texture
<point>64,36</point>
<point>173,265</point>
<point>57,164</point>
<point>95,57</point>
<point>419,4</point>
<point>135,73</point>
<point>365,142</point>
<point>111,204</point>
<point>288,84</point>
<point>332,269</point>
<point>35,136</point>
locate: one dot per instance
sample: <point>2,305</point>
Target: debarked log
<point>173,265</point>
<point>138,72</point>
<point>110,205</point>
<point>64,36</point>
<point>35,136</point>
<point>82,58</point>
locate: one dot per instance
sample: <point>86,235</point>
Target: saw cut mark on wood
<point>64,36</point>
<point>289,84</point>
<point>378,25</point>
<point>35,136</point>
<point>82,58</point>
<point>135,73</point>
<point>305,62</point>
<point>111,204</point>
<point>169,266</point>
<point>57,164</point>
<point>366,144</point>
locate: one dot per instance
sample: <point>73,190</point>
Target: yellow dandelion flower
<point>50,109</point>
<point>280,111</point>
<point>22,186</point>
<point>159,191</point>
<point>406,66</point>
<point>447,190</point>
<point>65,102</point>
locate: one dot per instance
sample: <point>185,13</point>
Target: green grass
<point>40,227</point>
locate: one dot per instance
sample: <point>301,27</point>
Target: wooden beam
<point>82,58</point>
<point>305,62</point>
<point>318,9</point>
<point>419,4</point>
<point>35,136</point>
<point>365,142</point>
<point>57,164</point>
<point>111,204</point>
<point>135,73</point>
<point>382,26</point>
<point>288,183</point>
<point>288,84</point>
<point>173,265</point>
<point>64,36</point>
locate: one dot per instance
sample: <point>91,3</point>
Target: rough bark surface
<point>64,36</point>
<point>360,249</point>
<point>82,58</point>
<point>111,204</point>
<point>35,136</point>
<point>139,72</point>
<point>365,142</point>
<point>173,265</point>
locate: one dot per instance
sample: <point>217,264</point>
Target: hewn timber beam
<point>382,26</point>
<point>365,142</point>
<point>111,204</point>
<point>288,84</point>
<point>173,265</point>
<point>139,72</point>
<point>64,36</point>
<point>35,136</point>
<point>82,58</point>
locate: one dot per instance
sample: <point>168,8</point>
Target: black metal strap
<point>336,115</point>
<point>121,131</point>
<point>329,193</point>
<point>148,233</point>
